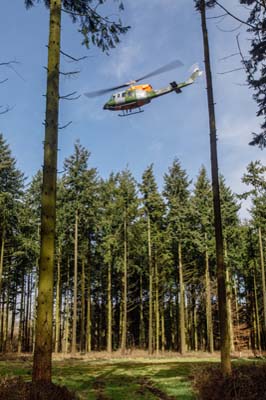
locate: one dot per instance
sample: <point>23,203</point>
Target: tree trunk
<point>181,303</point>
<point>2,259</point>
<point>162,325</point>
<point>67,312</point>
<point>262,281</point>
<point>109,307</point>
<point>75,298</point>
<point>256,319</point>
<point>124,313</point>
<point>141,315</point>
<point>156,310</point>
<point>150,347</point>
<point>58,305</point>
<point>88,326</point>
<point>209,324</point>
<point>221,278</point>
<point>42,363</point>
<point>21,316</point>
<point>82,322</point>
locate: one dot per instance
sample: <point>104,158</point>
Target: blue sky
<point>171,126</point>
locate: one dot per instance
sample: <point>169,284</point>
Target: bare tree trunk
<point>42,363</point>
<point>141,315</point>
<point>150,347</point>
<point>88,327</point>
<point>124,314</point>
<point>2,258</point>
<point>257,319</point>
<point>163,326</point>
<point>221,278</point>
<point>262,280</point>
<point>58,305</point>
<point>82,330</point>
<point>75,299</point>
<point>156,310</point>
<point>181,302</point>
<point>21,316</point>
<point>109,307</point>
<point>209,323</point>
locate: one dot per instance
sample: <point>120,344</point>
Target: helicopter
<point>136,96</point>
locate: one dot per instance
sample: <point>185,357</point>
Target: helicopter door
<point>120,98</point>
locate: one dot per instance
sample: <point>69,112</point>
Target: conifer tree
<point>202,235</point>
<point>177,202</point>
<point>127,203</point>
<point>255,177</point>
<point>153,210</point>
<point>255,64</point>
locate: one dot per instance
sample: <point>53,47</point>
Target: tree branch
<point>73,58</point>
<point>235,17</point>
<point>69,96</point>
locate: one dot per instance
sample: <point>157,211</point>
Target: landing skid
<point>126,113</point>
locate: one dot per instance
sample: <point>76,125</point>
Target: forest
<point>118,284</point>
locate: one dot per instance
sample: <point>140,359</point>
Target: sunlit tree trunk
<point>141,315</point>
<point>221,278</point>
<point>124,300</point>
<point>109,307</point>
<point>156,309</point>
<point>67,313</point>
<point>256,319</point>
<point>209,324</point>
<point>82,322</point>
<point>181,302</point>
<point>163,326</point>
<point>88,327</point>
<point>21,317</point>
<point>42,362</point>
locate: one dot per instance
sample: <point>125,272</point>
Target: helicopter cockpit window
<point>124,94</point>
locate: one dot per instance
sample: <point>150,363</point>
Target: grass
<point>119,379</point>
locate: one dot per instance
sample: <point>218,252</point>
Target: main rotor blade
<point>168,67</point>
<point>104,91</point>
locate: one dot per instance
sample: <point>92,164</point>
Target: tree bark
<point>109,307</point>
<point>75,298</point>
<point>209,324</point>
<point>124,313</point>
<point>262,280</point>
<point>150,335</point>
<point>42,362</point>
<point>82,322</point>
<point>88,326</point>
<point>181,302</point>
<point>2,258</point>
<point>221,278</point>
<point>58,305</point>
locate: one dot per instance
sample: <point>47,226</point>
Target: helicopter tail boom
<point>195,74</point>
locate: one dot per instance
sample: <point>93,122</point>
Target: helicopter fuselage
<point>138,96</point>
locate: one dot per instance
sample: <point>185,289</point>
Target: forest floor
<point>131,377</point>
